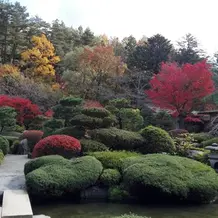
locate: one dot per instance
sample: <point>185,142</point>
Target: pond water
<point>103,210</point>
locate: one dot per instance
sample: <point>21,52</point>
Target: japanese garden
<point>97,126</point>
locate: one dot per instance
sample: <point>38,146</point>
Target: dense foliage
<point>4,145</point>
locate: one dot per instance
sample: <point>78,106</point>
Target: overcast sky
<point>171,18</point>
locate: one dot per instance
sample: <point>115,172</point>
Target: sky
<point>171,18</point>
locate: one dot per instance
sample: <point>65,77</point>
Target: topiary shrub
<point>209,142</point>
<point>118,194</point>
<point>11,139</point>
<point>160,177</point>
<point>71,101</point>
<point>118,139</point>
<point>43,161</point>
<point>52,125</point>
<point>203,136</point>
<point>96,112</point>
<point>177,132</point>
<point>110,177</point>
<point>92,146</point>
<point>4,145</point>
<point>76,132</point>
<point>64,179</point>
<point>33,137</point>
<point>112,159</point>
<point>38,122</point>
<point>63,145</point>
<point>157,140</point>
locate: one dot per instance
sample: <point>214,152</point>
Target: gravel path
<point>11,173</point>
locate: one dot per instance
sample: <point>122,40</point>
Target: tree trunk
<point>181,122</point>
<point>2,128</point>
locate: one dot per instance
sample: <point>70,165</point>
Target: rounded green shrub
<point>92,146</point>
<point>71,101</point>
<point>64,179</point>
<point>118,139</point>
<point>110,177</point>
<point>209,142</point>
<point>170,178</point>
<point>157,140</point>
<point>42,161</point>
<point>76,132</point>
<point>112,159</point>
<point>117,194</point>
<point>4,145</point>
<point>200,137</point>
<point>96,112</point>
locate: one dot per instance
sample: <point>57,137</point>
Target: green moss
<point>157,140</point>
<point>110,177</point>
<point>112,159</point>
<point>61,179</point>
<point>169,178</point>
<point>42,161</point>
<point>118,139</point>
<point>92,146</point>
<point>4,145</point>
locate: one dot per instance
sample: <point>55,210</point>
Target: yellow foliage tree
<point>40,60</point>
<point>9,70</point>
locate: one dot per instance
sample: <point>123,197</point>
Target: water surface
<point>104,210</point>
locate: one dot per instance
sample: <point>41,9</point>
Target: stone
<point>194,153</point>
<point>16,203</point>
<point>41,216</point>
<point>93,194</point>
<point>24,144</point>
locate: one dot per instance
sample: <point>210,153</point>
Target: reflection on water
<point>103,210</point>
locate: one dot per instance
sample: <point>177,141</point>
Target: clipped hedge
<point>160,177</point>
<point>200,137</point>
<point>64,179</point>
<point>110,177</point>
<point>63,145</point>
<point>4,145</point>
<point>89,145</point>
<point>42,161</point>
<point>76,132</point>
<point>157,140</point>
<point>96,112</point>
<point>118,139</point>
<point>112,159</point>
<point>209,142</point>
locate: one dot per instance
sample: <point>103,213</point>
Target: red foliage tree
<point>25,109</point>
<point>181,89</point>
<point>63,145</point>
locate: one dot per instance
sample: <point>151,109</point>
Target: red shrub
<point>25,109</point>
<point>49,113</point>
<point>192,119</point>
<point>63,145</point>
<point>177,132</point>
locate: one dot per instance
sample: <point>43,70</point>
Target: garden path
<point>11,173</point>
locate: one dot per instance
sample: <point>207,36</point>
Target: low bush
<point>96,112</point>
<point>11,139</point>
<point>209,142</point>
<point>112,159</point>
<point>177,132</point>
<point>118,194</point>
<point>157,140</point>
<point>76,132</point>
<point>118,139</point>
<point>63,145</point>
<point>160,177</point>
<point>64,179</point>
<point>92,146</point>
<point>130,216</point>
<point>43,161</point>
<point>33,137</point>
<point>200,137</point>
<point>1,157</point>
<point>52,125</point>
<point>4,145</point>
<point>110,177</point>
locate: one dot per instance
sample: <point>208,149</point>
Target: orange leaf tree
<point>40,60</point>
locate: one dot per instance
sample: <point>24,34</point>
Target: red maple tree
<point>25,109</point>
<point>181,89</point>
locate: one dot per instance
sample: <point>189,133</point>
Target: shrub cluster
<point>92,146</point>
<point>63,145</point>
<point>74,131</point>
<point>4,145</point>
<point>110,177</point>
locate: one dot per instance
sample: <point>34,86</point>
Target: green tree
<point>7,117</point>
<point>188,50</point>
